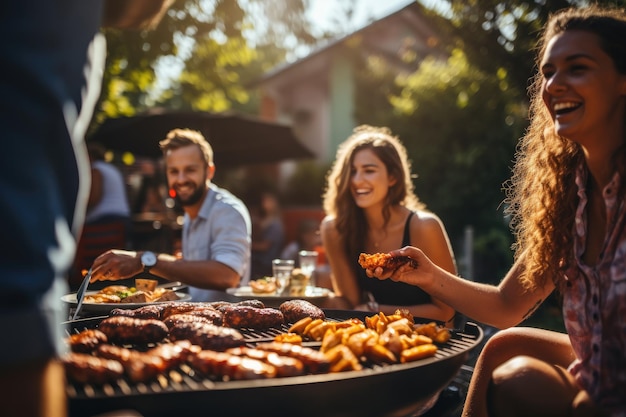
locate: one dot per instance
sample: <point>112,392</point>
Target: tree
<point>216,45</point>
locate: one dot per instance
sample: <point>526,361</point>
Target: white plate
<point>315,293</point>
<point>107,307</point>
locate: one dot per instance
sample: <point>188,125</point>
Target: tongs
<point>80,294</point>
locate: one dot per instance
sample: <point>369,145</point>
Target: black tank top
<point>391,292</point>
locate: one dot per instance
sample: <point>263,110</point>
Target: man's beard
<point>195,197</point>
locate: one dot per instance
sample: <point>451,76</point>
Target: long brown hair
<point>338,202</point>
<point>541,194</point>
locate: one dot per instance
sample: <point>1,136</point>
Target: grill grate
<point>189,389</point>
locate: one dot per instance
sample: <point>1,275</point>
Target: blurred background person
<point>371,207</point>
<point>268,233</point>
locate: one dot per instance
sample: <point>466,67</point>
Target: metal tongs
<point>80,294</point>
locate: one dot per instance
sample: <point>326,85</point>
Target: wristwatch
<point>148,260</point>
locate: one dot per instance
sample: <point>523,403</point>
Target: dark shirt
<point>391,292</point>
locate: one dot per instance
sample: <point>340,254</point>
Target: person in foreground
<point>52,57</point>
<point>567,198</point>
<point>371,207</point>
<point>216,229</point>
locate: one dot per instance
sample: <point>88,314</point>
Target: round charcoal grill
<point>376,391</point>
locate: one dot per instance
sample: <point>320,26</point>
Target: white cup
<point>281,269</point>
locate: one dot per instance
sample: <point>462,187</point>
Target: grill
<point>377,390</point>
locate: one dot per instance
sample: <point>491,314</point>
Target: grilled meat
<point>144,312</point>
<point>88,369</point>
<point>175,319</point>
<point>285,365</point>
<point>86,341</point>
<point>313,360</point>
<point>294,310</point>
<point>130,330</point>
<point>241,316</point>
<point>231,366</point>
<point>143,366</point>
<point>385,261</point>
<point>207,335</point>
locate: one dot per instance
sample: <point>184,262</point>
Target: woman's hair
<point>179,138</point>
<point>338,200</point>
<point>541,196</point>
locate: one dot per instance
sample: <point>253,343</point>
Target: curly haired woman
<point>567,197</point>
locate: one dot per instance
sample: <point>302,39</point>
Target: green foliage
<point>219,45</point>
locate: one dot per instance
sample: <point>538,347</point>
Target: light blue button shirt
<point>221,232</point>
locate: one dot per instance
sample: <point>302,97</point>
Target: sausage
<point>207,335</point>
<point>143,366</point>
<point>88,369</point>
<point>313,360</point>
<point>252,317</point>
<point>143,312</point>
<point>285,365</point>
<point>176,319</point>
<point>130,330</point>
<point>86,341</point>
<point>295,310</point>
<point>223,305</point>
<point>234,367</point>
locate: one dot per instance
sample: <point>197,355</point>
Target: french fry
<point>299,326</point>
<point>418,352</point>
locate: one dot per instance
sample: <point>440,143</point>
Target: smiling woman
<point>371,207</point>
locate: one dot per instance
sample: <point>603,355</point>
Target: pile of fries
<point>380,339</point>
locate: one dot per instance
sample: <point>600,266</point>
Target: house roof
<point>412,15</point>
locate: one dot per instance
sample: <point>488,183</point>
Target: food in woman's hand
<point>385,261</point>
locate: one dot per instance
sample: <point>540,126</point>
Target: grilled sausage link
<point>176,319</point>
<point>88,369</point>
<point>222,364</point>
<point>120,329</point>
<point>143,366</point>
<point>207,336</point>
<point>313,360</point>
<point>86,341</point>
<point>252,317</point>
<point>144,312</point>
<point>295,310</point>
<point>285,365</point>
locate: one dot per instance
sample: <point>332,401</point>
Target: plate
<point>107,307</point>
<point>311,294</point>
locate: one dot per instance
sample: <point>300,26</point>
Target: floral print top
<point>594,303</point>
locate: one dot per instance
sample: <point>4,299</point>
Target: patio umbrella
<point>236,139</point>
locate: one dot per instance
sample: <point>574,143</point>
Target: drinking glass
<point>308,263</point>
<point>281,269</point>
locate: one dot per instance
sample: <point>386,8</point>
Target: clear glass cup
<point>308,263</point>
<point>281,269</point>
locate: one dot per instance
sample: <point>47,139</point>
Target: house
<point>315,94</point>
